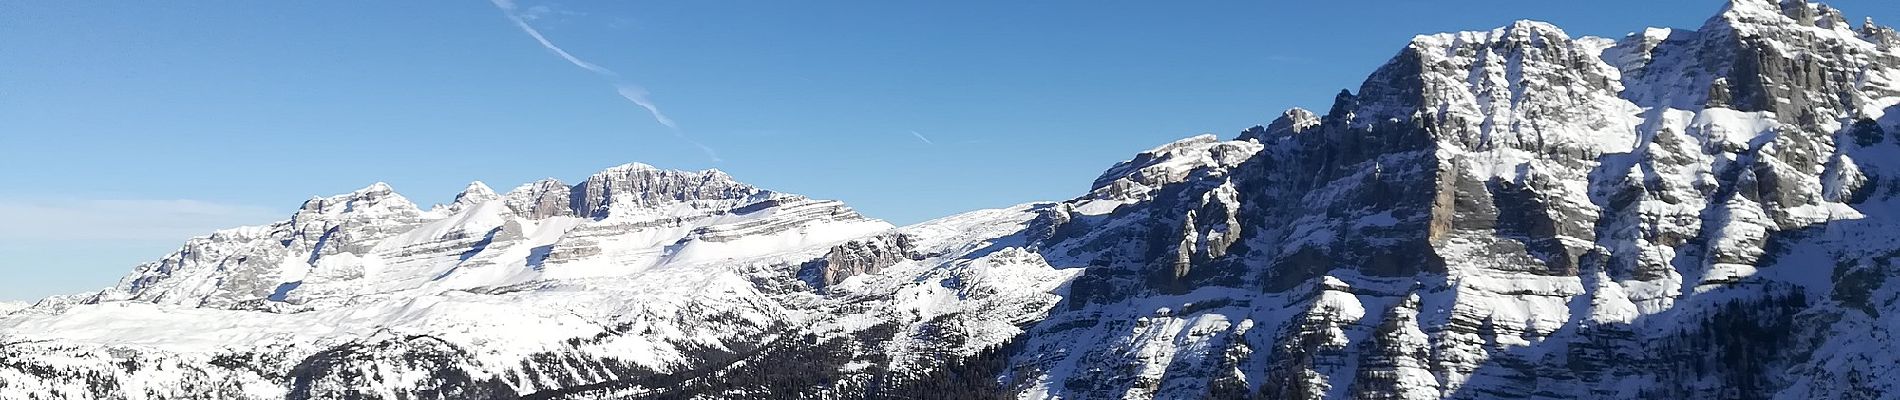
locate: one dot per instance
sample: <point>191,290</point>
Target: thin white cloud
<point>633,93</point>
<point>128,220</point>
<point>920,136</point>
<point>703,148</point>
<point>571,59</point>
<point>547,11</point>
<point>638,96</point>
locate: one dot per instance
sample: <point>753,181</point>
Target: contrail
<point>508,9</point>
<point>556,49</point>
<point>631,92</point>
<point>920,136</point>
<point>638,95</point>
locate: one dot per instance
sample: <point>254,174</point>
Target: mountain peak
<point>644,169</point>
<point>1753,6</point>
<point>378,187</point>
<point>376,195</point>
<point>630,167</point>
<point>1521,32</point>
<point>1779,13</point>
<point>1531,27</point>
<point>642,185</point>
<point>1293,121</point>
<point>1171,163</point>
<point>476,189</point>
<point>475,193</point>
<point>1555,212</point>
<point>1880,35</point>
<point>544,198</point>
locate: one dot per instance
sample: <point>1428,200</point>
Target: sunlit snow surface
<point>1647,184</point>
<point>666,278</point>
<point>477,274</point>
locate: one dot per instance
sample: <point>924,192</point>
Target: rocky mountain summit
<point>1514,213</point>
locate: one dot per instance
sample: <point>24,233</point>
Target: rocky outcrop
<point>860,257</point>
<point>1504,214</point>
<point>1512,213</point>
<point>541,199</point>
<point>474,194</point>
<point>636,186</point>
<point>231,266</point>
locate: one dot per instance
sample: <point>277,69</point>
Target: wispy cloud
<point>638,95</point>
<point>921,137</point>
<point>133,220</point>
<point>571,59</point>
<point>548,11</point>
<point>633,93</point>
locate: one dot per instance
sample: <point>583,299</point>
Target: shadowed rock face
<point>1514,213</point>
<point>1517,213</point>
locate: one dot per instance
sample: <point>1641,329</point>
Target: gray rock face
<point>475,194</point>
<point>541,199</point>
<point>546,291</point>
<point>245,268</point>
<point>639,185</point>
<point>1514,213</point>
<point>1292,122</point>
<point>1762,56</point>
<point>1884,36</point>
<point>230,267</point>
<point>861,257</point>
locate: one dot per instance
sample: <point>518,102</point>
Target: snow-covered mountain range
<point>1514,213</point>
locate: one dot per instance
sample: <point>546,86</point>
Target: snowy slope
<point>646,265</point>
<point>7,307</point>
<point>1512,213</point>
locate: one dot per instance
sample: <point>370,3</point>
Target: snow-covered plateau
<point>1515,213</point>
<point>7,307</point>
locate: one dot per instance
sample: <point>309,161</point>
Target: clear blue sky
<point>126,127</point>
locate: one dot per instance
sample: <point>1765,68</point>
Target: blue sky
<point>126,127</point>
